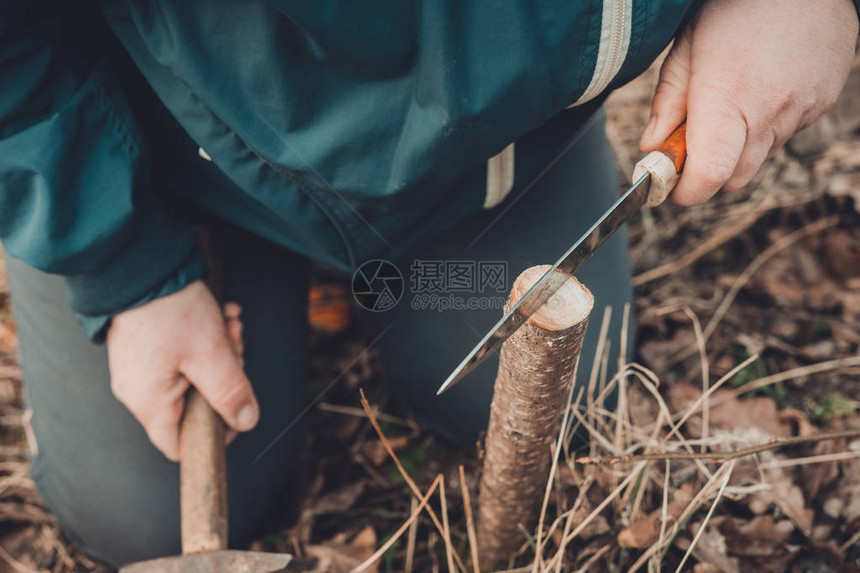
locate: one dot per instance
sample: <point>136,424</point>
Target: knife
<point>653,179</point>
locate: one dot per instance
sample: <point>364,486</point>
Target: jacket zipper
<point>615,29</point>
<point>615,32</point>
<point>500,176</point>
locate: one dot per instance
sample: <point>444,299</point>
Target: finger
<point>669,107</point>
<point>219,377</point>
<point>163,431</point>
<point>232,310</point>
<point>716,137</point>
<point>159,413</point>
<point>233,323</point>
<point>755,153</point>
<point>234,333</point>
<point>230,435</point>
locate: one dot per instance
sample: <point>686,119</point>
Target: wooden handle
<point>664,166</point>
<point>203,460</point>
<point>675,147</point>
<point>202,477</point>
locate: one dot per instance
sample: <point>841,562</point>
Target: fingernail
<point>247,417</point>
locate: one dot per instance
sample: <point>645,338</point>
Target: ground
<point>757,292</point>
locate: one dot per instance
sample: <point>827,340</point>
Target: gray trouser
<point>115,494</point>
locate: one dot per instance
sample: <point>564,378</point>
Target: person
<point>339,133</point>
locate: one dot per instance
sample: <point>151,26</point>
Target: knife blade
<point>654,178</point>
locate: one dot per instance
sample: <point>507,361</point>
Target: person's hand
<point>156,349</point>
<point>748,74</point>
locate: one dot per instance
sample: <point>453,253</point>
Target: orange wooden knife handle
<point>664,166</point>
<point>675,147</point>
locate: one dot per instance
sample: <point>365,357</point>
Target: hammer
<point>203,485</point>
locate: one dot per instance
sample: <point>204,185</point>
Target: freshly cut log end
<point>536,371</point>
<point>570,305</point>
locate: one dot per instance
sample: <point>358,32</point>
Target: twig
<point>595,512</point>
<point>591,560</point>
<point>706,395</point>
<point>707,518</point>
<point>797,373</point>
<point>406,477</point>
<point>664,409</point>
<point>622,419</point>
<point>720,457</point>
<point>664,513</point>
<point>823,458</point>
<point>358,412</point>
<point>411,538</point>
<point>706,374</point>
<point>385,546</point>
<point>680,522</point>
<point>595,366</point>
<point>552,471</point>
<point>470,522</point>
<point>568,522</point>
<point>14,563</point>
<point>446,528</point>
<point>854,539</point>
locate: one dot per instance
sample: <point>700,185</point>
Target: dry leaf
<point>703,567</point>
<point>337,501</point>
<point>644,532</point>
<point>597,526</point>
<point>788,497</point>
<point>758,537</point>
<point>845,185</point>
<point>337,556</point>
<point>711,549</point>
<point>728,412</point>
<point>815,476</point>
<point>849,488</point>
<point>797,421</point>
<point>850,301</point>
<point>655,352</point>
<point>842,253</point>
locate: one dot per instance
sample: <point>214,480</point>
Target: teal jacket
<point>344,130</point>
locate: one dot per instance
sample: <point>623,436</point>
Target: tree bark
<point>536,371</point>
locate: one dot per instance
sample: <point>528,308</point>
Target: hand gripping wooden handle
<point>664,165</point>
<point>203,465</point>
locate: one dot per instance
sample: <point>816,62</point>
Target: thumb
<point>218,376</point>
<point>669,107</point>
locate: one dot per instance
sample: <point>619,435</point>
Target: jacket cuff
<point>162,259</point>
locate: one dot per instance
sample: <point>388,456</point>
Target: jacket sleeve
<point>75,195</point>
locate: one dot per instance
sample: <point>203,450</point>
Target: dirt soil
<point>767,279</point>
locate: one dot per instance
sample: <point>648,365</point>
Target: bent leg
<point>111,490</point>
<point>535,225</point>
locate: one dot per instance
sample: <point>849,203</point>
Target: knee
<point>114,519</point>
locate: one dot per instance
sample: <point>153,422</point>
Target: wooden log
<point>536,371</point>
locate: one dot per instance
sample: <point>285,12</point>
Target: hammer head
<point>224,561</point>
